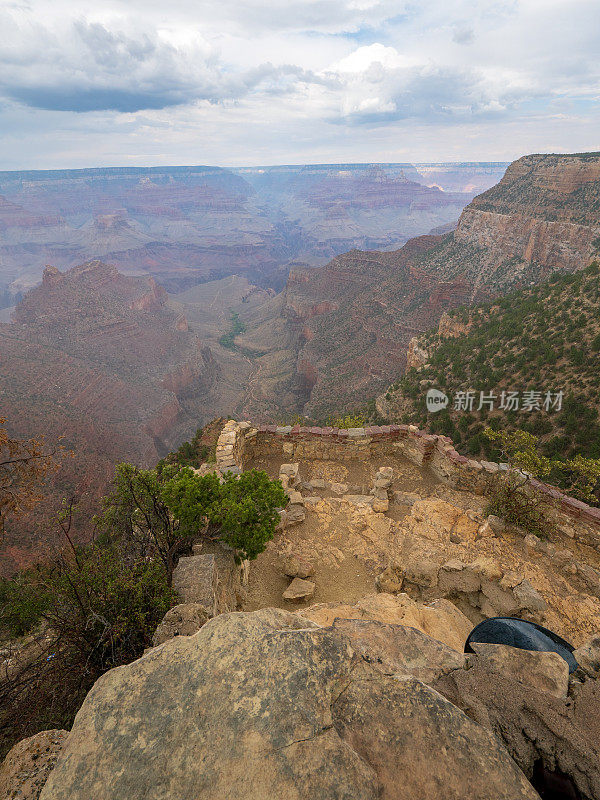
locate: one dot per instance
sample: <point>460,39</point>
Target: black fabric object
<point>522,634</point>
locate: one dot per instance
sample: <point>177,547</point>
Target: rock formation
<point>101,359</point>
<point>267,705</point>
<point>27,766</point>
<point>348,325</point>
<point>183,225</point>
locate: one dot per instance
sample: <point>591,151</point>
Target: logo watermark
<point>436,400</point>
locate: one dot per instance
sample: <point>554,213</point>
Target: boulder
<point>544,671</point>
<point>398,649</point>
<point>294,515</point>
<point>543,732</point>
<point>184,619</point>
<point>440,619</point>
<point>421,746</point>
<point>27,766</point>
<point>208,580</point>
<point>195,581</point>
<point>255,707</point>
<point>299,589</point>
<point>588,657</point>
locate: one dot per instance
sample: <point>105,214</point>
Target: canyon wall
<point>185,225</point>
<point>102,360</point>
<point>353,319</point>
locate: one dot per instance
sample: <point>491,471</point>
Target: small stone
<point>487,568</point>
<point>295,497</point>
<point>294,514</point>
<point>588,657</point>
<point>529,598</point>
<point>390,580</point>
<point>295,567</point>
<point>339,488</point>
<point>485,531</point>
<point>299,589</point>
<point>380,506</point>
<point>407,498</point>
<point>384,478</point>
<point>531,543</point>
<point>496,524</point>
<point>311,501</point>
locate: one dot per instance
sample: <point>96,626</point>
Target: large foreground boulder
<point>265,705</point>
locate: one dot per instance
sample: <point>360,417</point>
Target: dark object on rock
<point>521,634</point>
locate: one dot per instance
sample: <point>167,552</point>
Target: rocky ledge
<point>271,704</point>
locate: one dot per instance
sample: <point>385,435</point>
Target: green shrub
<point>510,500</point>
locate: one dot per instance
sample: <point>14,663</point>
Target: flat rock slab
<point>195,581</point>
<point>261,705</point>
<point>209,580</point>
<point>299,589</point>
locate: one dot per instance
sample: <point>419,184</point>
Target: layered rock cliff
<point>544,215</point>
<point>353,319</point>
<point>183,225</point>
<point>103,360</point>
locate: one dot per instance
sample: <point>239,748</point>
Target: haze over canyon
<point>178,295</point>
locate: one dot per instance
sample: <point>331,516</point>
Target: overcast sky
<point>244,82</point>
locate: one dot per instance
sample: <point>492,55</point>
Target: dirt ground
<point>346,554</point>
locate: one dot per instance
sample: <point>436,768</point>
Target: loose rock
<point>299,589</point>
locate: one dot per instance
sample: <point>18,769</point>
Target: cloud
<point>293,78</point>
<point>463,35</point>
<point>90,67</point>
<point>379,81</point>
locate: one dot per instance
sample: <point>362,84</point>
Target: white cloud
<point>245,81</point>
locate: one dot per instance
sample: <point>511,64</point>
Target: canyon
<point>102,360</point>
<point>348,325</point>
<point>125,370</point>
<point>185,225</point>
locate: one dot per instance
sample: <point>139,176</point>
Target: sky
<point>252,82</point>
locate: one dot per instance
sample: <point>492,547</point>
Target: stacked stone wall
<point>240,443</point>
